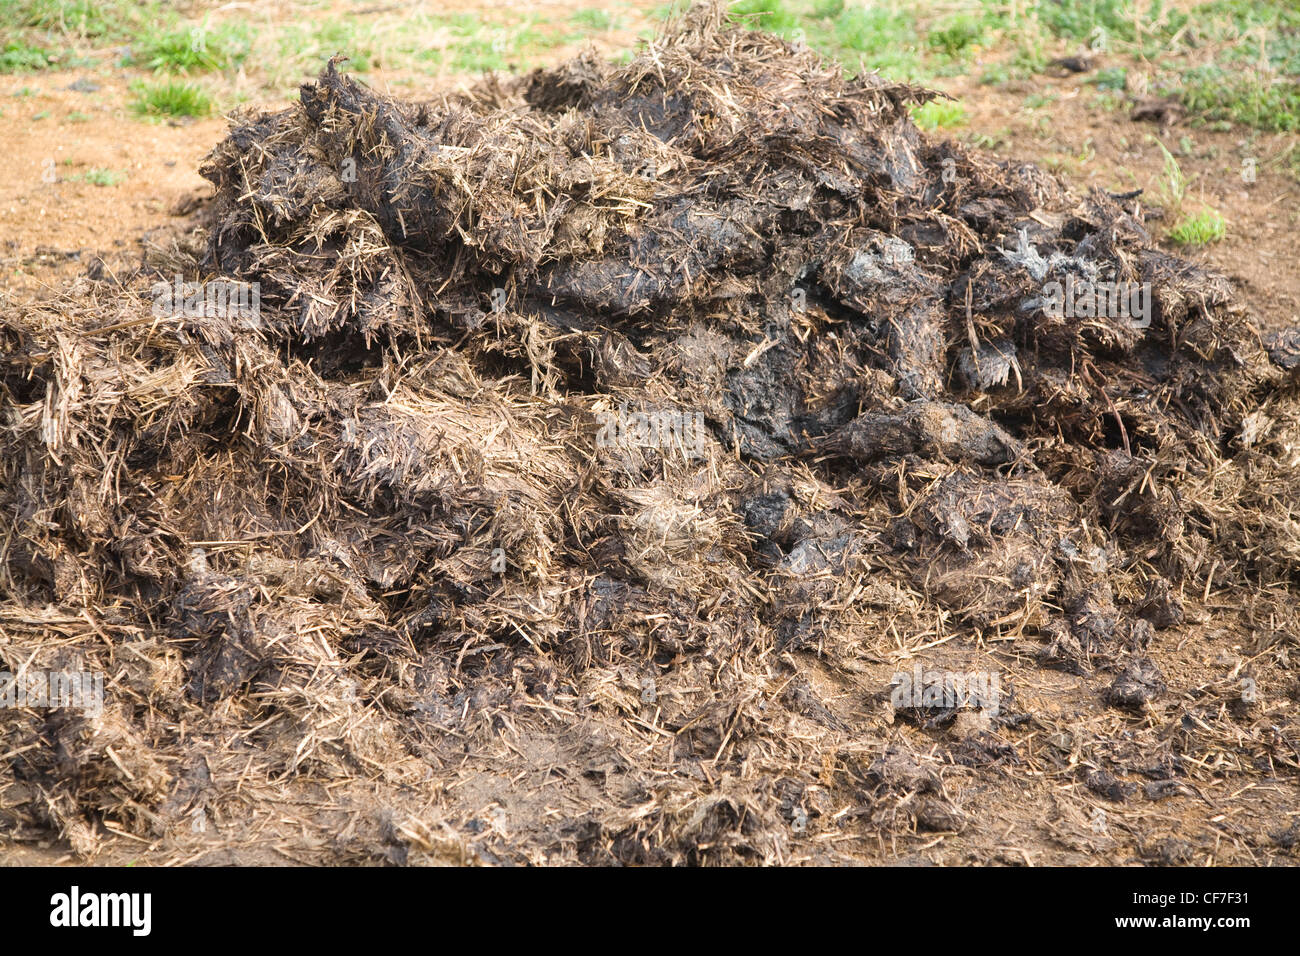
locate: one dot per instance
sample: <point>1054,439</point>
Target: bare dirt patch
<point>665,463</point>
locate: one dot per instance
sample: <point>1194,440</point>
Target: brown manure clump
<point>601,453</point>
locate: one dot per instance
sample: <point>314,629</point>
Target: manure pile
<point>603,444</point>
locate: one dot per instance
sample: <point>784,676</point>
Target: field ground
<point>71,82</point>
<point>101,157</point>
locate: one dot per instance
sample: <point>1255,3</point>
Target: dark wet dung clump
<point>602,443</point>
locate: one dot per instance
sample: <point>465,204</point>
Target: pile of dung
<point>586,429</point>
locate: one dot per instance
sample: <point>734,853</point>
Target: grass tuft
<point>192,50</point>
<point>1198,229</point>
<point>170,98</point>
<point>21,58</point>
<point>99,176</point>
<point>939,114</point>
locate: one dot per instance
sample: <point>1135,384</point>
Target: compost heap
<point>381,531</point>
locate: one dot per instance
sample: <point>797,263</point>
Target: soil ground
<point>75,120</point>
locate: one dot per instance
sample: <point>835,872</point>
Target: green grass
<point>992,140</point>
<point>955,34</point>
<point>1286,161</point>
<point>460,24</point>
<point>428,43</point>
<point>1228,61</point>
<point>900,41</point>
<point>337,37</point>
<point>1250,97</point>
<point>1195,229</point>
<point>666,11</point>
<point>593,18</point>
<point>877,39</point>
<point>768,15</point>
<point>306,49</point>
<point>475,50</point>
<point>1198,229</point>
<point>1110,78</point>
<point>939,114</point>
<point>1102,23</point>
<point>478,56</point>
<point>1173,188</point>
<point>1253,32</point>
<point>191,49</point>
<point>17,57</point>
<point>98,176</point>
<point>170,98</point>
<point>92,19</point>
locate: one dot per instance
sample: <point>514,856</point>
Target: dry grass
<point>366,587</point>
